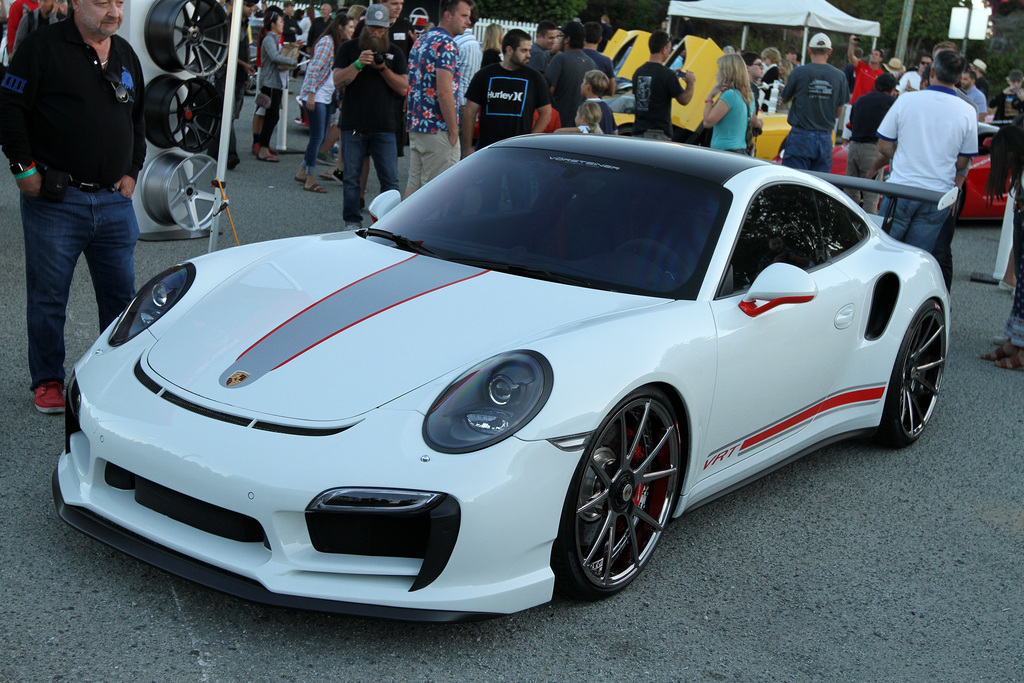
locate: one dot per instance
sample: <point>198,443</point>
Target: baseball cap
<point>820,40</point>
<point>574,29</point>
<point>378,15</point>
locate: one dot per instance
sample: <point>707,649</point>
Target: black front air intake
<point>198,514</point>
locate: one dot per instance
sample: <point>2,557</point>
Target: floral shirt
<point>434,50</point>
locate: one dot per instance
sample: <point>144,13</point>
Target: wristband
<point>709,101</point>
<point>359,65</point>
<point>25,174</point>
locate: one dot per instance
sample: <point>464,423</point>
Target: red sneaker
<point>50,398</point>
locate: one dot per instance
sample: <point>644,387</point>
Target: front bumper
<point>186,567</point>
<point>508,500</point>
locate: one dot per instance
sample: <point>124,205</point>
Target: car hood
<point>329,327</point>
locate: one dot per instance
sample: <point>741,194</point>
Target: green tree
<point>928,25</point>
<point>644,15</point>
<point>558,11</point>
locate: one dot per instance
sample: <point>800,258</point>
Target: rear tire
<point>915,380</point>
<point>620,499</point>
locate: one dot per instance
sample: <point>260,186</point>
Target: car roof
<point>710,164</point>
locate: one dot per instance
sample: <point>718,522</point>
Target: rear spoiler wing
<point>844,182</point>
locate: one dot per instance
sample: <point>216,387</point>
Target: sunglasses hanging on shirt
<point>120,92</point>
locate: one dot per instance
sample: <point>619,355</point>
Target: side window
<point>781,226</point>
<point>841,228</point>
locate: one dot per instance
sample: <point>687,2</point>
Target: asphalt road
<point>855,563</point>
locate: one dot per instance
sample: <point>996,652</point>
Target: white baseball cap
<point>820,40</point>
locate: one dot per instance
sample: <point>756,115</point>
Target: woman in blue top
<point>729,116</point>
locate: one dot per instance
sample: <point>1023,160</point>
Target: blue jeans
<point>354,146</point>
<point>808,150</point>
<point>915,223</point>
<point>317,132</point>
<point>102,226</point>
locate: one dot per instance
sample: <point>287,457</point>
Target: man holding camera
<point>372,69</point>
<point>866,73</point>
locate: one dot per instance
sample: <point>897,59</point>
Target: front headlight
<point>154,299</point>
<point>489,403</point>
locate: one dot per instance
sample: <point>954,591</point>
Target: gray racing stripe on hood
<point>341,310</point>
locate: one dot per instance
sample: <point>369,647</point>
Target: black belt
<point>90,187</point>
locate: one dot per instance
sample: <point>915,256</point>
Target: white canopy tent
<point>810,14</point>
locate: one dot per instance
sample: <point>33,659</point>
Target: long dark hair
<point>339,22</point>
<point>1006,162</point>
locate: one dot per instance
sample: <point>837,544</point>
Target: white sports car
<point>509,385</point>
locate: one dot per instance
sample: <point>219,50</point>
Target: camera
<point>856,39</point>
<point>381,57</point>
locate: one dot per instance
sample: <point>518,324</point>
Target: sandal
<point>1013,361</point>
<point>314,188</point>
<point>1007,350</point>
<point>301,179</point>
<point>326,176</point>
<point>270,159</point>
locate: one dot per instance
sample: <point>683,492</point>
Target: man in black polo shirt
<point>868,111</point>
<point>71,124</point>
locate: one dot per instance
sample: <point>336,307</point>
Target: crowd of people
<point>374,83</point>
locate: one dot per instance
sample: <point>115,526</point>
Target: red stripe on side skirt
<point>849,398</point>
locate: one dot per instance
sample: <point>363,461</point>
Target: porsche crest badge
<point>236,378</point>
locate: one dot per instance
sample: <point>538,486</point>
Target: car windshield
<point>567,217</point>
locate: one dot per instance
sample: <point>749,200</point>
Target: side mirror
<point>779,283</point>
<point>384,203</point>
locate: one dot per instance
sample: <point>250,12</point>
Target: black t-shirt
<point>507,101</point>
<point>399,33</point>
<point>316,30</point>
<point>291,28</point>
<point>654,88</point>
<point>369,103</point>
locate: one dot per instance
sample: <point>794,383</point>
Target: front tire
<point>915,380</point>
<point>620,499</point>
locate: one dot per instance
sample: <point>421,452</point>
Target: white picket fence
<point>481,26</point>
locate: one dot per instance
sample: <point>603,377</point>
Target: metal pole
<point>901,40</point>
<point>967,32</point>
<point>228,113</point>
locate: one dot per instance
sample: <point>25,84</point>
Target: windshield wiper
<point>403,242</point>
<point>527,271</point>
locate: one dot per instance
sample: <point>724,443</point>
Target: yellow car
<point>702,59</point>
